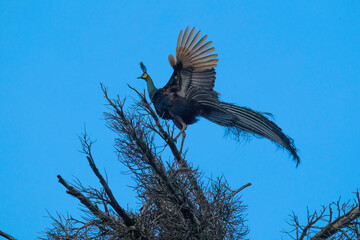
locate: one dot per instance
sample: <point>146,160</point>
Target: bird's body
<point>189,94</point>
<point>169,106</point>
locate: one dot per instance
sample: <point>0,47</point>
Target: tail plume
<point>240,120</point>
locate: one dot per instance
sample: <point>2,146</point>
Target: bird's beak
<point>139,77</point>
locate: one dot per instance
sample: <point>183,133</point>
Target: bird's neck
<point>151,87</point>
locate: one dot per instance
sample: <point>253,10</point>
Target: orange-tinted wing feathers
<point>194,64</point>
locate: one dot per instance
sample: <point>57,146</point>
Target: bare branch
<point>320,224</point>
<point>7,236</point>
<point>86,142</point>
<point>86,202</point>
<point>339,223</point>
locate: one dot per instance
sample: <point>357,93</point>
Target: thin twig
<point>237,191</point>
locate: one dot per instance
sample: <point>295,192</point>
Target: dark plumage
<point>190,94</point>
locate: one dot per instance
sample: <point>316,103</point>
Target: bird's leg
<point>182,132</point>
<point>183,139</point>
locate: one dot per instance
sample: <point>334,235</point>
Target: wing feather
<point>189,38</point>
<point>205,59</point>
<point>179,42</point>
<point>193,42</point>
<point>183,41</point>
<point>203,51</point>
<point>194,64</point>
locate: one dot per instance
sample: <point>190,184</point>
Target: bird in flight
<point>190,93</point>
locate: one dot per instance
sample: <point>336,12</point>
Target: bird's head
<point>144,76</point>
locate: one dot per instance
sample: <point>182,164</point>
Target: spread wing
<point>194,65</point>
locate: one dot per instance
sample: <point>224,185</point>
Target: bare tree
<point>176,201</point>
<point>338,221</point>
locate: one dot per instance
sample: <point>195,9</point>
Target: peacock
<point>190,93</point>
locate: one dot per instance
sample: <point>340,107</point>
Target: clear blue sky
<point>299,60</point>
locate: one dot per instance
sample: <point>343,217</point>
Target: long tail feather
<point>240,119</point>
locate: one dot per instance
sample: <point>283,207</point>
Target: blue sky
<point>296,59</point>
